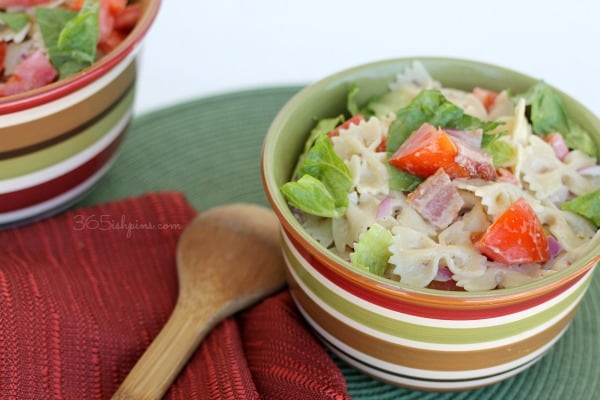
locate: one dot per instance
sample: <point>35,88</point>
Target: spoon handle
<point>162,361</point>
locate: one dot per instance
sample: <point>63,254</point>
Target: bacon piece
<point>505,175</point>
<point>33,72</point>
<point>558,144</point>
<point>474,137</point>
<point>476,162</point>
<point>437,200</point>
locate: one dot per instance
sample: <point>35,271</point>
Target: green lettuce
<point>71,37</point>
<point>502,152</point>
<point>389,102</point>
<point>401,180</point>
<point>548,115</point>
<point>323,127</point>
<point>310,195</point>
<point>16,21</point>
<point>587,205</point>
<point>371,252</point>
<point>324,182</point>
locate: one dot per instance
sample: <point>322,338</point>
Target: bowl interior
<point>326,98</point>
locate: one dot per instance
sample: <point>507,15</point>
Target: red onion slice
<point>593,170</point>
<point>443,274</point>
<point>385,208</point>
<point>555,247</point>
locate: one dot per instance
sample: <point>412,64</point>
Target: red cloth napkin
<point>84,293</point>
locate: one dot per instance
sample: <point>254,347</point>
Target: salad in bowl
<point>444,188</point>
<point>42,41</point>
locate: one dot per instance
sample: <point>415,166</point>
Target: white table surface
<point>201,48</point>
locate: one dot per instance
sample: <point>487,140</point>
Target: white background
<point>198,48</point>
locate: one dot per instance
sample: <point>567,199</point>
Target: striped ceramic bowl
<point>58,140</point>
<point>421,338</point>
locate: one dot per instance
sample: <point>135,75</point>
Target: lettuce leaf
<point>71,37</point>
<point>323,127</point>
<point>324,164</point>
<point>389,102</point>
<point>587,205</point>
<point>16,21</point>
<point>310,195</point>
<point>432,107</point>
<point>502,152</point>
<point>547,115</point>
<point>325,191</point>
<point>401,180</point>
<point>371,252</point>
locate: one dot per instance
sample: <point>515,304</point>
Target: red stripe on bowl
<point>455,309</point>
<point>30,196</point>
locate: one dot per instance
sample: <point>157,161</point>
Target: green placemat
<point>210,150</point>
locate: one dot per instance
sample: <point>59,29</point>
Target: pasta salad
<point>42,41</point>
<point>450,189</point>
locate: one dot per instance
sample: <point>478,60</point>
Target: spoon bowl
<point>228,258</point>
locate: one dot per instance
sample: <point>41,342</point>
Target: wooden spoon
<point>227,259</point>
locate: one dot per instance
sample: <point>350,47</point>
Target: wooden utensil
<point>227,259</point>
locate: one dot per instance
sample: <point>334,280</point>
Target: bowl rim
<point>58,89</point>
<point>389,288</point>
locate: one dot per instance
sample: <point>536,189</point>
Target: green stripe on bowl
<point>422,333</point>
<point>31,162</point>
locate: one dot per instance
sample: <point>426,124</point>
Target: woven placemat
<point>210,150</point>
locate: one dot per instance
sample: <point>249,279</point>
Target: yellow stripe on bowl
<point>31,162</point>
<point>57,120</point>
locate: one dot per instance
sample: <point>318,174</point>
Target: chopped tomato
<point>106,22</point>
<point>427,150</point>
<point>4,4</point>
<point>516,237</point>
<point>74,4</point>
<point>115,6</point>
<point>355,120</point>
<point>2,54</point>
<point>113,40</point>
<point>486,97</point>
<point>383,145</point>
<point>116,20</point>
<point>126,19</point>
